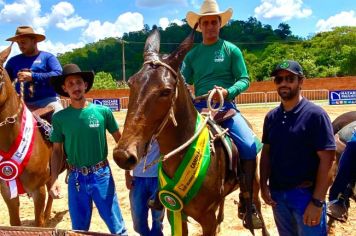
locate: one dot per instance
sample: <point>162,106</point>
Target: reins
<point>170,115</point>
<point>12,119</point>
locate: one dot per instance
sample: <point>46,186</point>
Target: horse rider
<point>217,63</point>
<point>34,68</point>
<point>297,156</point>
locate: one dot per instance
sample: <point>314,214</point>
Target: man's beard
<point>287,93</point>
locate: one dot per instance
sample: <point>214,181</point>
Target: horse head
<point>6,89</point>
<point>153,91</point>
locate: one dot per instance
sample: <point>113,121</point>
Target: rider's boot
<point>250,216</point>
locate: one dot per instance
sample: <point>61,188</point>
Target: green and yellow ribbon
<point>187,180</point>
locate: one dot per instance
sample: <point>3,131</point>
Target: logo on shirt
<point>37,61</point>
<point>93,122</point>
<point>219,56</point>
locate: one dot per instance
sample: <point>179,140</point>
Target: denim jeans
<point>346,171</point>
<point>240,132</point>
<point>50,101</point>
<point>97,187</point>
<point>288,213</point>
<point>143,189</point>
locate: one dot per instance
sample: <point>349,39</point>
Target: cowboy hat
<point>71,69</point>
<point>208,8</point>
<point>22,31</point>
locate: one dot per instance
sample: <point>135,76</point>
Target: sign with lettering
<point>113,104</point>
<point>342,97</point>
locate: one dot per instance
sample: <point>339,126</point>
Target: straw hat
<point>208,8</point>
<point>26,31</point>
<point>71,69</point>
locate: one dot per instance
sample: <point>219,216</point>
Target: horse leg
<point>13,206</point>
<point>39,199</point>
<point>220,217</point>
<point>208,223</point>
<point>47,213</point>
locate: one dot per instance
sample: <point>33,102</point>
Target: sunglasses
<point>289,79</point>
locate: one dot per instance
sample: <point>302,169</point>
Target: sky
<point>72,24</point>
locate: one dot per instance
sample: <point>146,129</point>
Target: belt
<point>85,170</point>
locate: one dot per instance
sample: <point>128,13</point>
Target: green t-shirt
<point>83,133</point>
<point>220,64</point>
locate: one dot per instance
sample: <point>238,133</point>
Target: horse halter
<point>9,119</point>
<point>170,113</point>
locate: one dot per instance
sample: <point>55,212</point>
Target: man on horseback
<point>34,68</point>
<point>297,155</point>
<point>216,63</point>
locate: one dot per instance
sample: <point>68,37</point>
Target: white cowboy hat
<point>208,8</point>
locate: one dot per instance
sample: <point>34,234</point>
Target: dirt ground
<point>231,226</point>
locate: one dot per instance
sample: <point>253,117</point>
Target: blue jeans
<point>346,171</point>
<point>240,132</point>
<point>144,189</point>
<point>50,101</point>
<point>288,213</point>
<point>97,187</point>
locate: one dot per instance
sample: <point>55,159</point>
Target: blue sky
<point>72,24</point>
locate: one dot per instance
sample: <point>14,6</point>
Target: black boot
<point>247,210</point>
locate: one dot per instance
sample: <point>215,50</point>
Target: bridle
<point>170,115</point>
<point>10,119</point>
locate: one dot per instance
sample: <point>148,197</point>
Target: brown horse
<point>36,173</point>
<point>160,106</point>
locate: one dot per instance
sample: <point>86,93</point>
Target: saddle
<point>43,117</point>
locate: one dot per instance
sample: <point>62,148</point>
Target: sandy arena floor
<point>231,225</point>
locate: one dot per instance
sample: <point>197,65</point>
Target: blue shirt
<point>295,137</point>
<point>152,155</point>
<point>43,66</point>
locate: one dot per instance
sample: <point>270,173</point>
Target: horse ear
<point>176,57</point>
<point>152,42</point>
<point>4,54</point>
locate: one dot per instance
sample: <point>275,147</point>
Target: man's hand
<point>55,190</point>
<point>128,179</point>
<point>266,196</point>
<point>24,76</point>
<point>216,95</point>
<point>312,215</point>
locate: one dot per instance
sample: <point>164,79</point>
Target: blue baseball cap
<point>288,65</point>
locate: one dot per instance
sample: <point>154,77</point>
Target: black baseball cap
<point>288,65</point>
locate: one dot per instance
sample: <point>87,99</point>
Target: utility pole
<point>123,61</point>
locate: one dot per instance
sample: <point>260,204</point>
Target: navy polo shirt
<point>295,137</point>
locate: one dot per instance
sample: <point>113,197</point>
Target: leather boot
<point>247,210</point>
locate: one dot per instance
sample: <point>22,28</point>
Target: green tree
<point>103,80</point>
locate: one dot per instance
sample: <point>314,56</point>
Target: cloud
<point>164,22</point>
<point>127,22</point>
<point>28,12</point>
<point>58,47</point>
<point>283,9</point>
<point>343,18</point>
<point>158,3</point>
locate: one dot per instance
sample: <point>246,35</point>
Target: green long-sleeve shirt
<point>220,64</point>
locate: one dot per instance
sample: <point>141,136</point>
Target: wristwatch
<point>317,202</point>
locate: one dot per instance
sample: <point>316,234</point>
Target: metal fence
<point>244,98</point>
<point>269,97</point>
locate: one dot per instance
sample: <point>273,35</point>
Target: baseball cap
<point>288,65</point>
